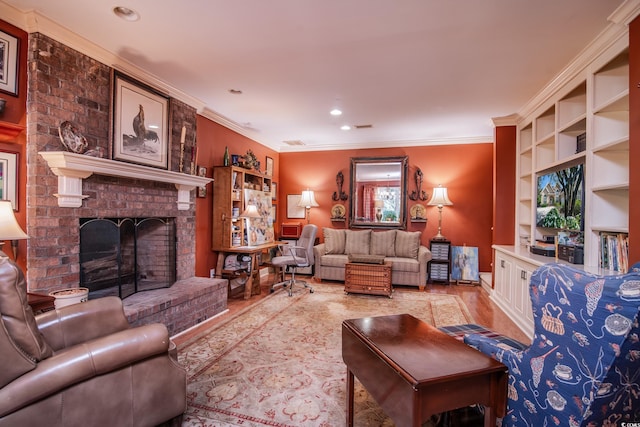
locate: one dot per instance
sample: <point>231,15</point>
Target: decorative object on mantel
<point>418,194</point>
<point>338,212</point>
<point>418,213</point>
<point>71,138</point>
<point>339,195</point>
<point>3,102</point>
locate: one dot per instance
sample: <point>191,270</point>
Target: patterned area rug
<point>279,362</point>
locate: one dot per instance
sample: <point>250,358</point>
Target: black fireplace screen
<point>122,256</point>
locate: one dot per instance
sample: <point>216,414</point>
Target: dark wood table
<point>414,371</point>
<point>40,302</point>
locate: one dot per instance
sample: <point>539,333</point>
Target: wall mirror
<point>378,192</point>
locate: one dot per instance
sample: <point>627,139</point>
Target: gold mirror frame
<point>383,181</point>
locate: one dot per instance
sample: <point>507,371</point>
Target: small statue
<point>339,195</point>
<point>250,160</point>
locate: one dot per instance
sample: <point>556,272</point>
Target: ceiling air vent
<point>363,126</point>
<point>294,142</point>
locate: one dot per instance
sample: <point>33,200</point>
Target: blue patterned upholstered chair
<point>583,365</point>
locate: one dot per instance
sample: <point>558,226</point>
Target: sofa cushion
<point>357,242</point>
<point>334,241</point>
<point>407,244</point>
<point>408,265</point>
<point>383,243</point>
<point>16,313</point>
<point>331,260</point>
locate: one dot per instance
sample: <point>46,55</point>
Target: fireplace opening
<point>122,256</point>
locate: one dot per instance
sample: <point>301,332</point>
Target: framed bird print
<point>140,123</point>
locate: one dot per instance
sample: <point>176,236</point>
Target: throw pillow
<point>383,243</point>
<point>407,244</point>
<point>16,313</point>
<point>357,242</point>
<point>334,241</point>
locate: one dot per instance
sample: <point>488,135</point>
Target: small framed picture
<point>202,191</point>
<point>8,177</point>
<point>269,166</point>
<point>293,210</point>
<point>9,52</point>
<point>140,123</point>
<point>274,191</point>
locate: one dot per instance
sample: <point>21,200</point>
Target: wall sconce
<point>308,201</point>
<point>9,227</point>
<point>440,199</point>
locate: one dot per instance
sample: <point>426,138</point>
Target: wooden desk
<point>252,286</point>
<point>414,371</point>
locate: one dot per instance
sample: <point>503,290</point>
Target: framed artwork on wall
<point>293,210</point>
<point>274,191</point>
<point>140,123</point>
<point>9,177</point>
<point>202,191</point>
<point>9,52</point>
<point>269,166</point>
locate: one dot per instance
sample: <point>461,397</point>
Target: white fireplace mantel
<point>72,168</point>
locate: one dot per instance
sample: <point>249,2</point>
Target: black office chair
<point>294,256</point>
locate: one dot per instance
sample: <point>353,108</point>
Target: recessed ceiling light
<point>235,91</point>
<point>335,112</point>
<point>126,13</point>
<point>345,127</point>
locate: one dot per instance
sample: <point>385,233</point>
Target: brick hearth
<point>185,304</point>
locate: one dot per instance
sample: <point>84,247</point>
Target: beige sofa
<point>402,248</point>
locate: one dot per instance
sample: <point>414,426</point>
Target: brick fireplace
<point>67,85</point>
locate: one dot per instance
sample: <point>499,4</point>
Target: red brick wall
<point>67,85</point>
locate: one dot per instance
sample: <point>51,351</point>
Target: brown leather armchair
<point>82,365</point>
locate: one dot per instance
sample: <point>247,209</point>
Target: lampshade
<point>440,197</point>
<point>250,212</point>
<point>308,200</point>
<point>9,227</point>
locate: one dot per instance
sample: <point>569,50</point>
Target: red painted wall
<point>504,185</point>
<point>15,112</point>
<point>466,170</point>
<point>212,139</point>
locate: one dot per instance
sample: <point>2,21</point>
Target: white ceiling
<point>418,71</point>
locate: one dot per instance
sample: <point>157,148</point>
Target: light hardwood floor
<point>483,310</point>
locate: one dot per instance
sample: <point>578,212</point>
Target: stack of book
<point>614,251</point>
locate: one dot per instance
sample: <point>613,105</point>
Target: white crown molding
<point>616,31</point>
<point>34,22</point>
<point>390,144</point>
<point>510,120</point>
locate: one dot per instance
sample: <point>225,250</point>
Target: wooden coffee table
<point>370,279</point>
<point>414,371</point>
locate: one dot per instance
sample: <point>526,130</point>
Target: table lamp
<point>9,227</point>
<point>308,201</point>
<point>251,211</point>
<point>440,199</point>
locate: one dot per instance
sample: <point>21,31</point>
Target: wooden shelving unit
<point>229,202</point>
